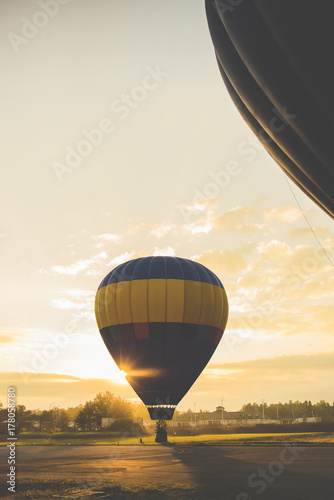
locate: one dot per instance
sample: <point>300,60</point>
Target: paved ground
<point>250,470</point>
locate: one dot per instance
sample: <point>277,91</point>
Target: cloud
<point>238,220</point>
<point>120,259</point>
<point>160,230</point>
<point>199,205</point>
<point>79,299</point>
<point>277,273</point>
<point>108,237</point>
<point>262,322</point>
<point>222,261</point>
<point>319,316</point>
<point>197,228</point>
<point>38,390</point>
<point>274,250</point>
<point>319,288</point>
<point>8,336</point>
<point>72,269</point>
<point>214,372</point>
<point>198,216</point>
<point>104,238</point>
<point>285,320</point>
<point>281,378</point>
<point>301,233</point>
<point>307,261</point>
<point>201,226</point>
<point>287,214</point>
<point>80,265</point>
<point>164,251</point>
<point>134,226</point>
<point>298,363</point>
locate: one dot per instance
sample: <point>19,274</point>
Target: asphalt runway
<point>249,471</point>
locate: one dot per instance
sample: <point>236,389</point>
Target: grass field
<point>108,438</point>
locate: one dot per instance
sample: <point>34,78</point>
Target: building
<point>31,425</point>
<point>220,417</point>
<point>307,419</point>
<point>106,422</point>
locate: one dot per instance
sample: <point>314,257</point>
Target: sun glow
<point>107,369</point>
<point>119,377</point>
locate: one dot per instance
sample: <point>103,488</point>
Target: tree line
<point>85,417</point>
<point>88,416</point>
<point>59,419</point>
<point>292,410</point>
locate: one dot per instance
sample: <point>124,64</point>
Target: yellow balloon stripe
<point>175,301</point>
<point>225,311</point>
<point>157,300</point>
<point>139,309</point>
<point>192,301</point>
<point>161,300</point>
<point>219,305</point>
<point>207,310</point>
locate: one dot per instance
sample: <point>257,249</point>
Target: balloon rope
<point>307,221</point>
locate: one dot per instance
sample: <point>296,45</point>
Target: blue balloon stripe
<point>160,267</point>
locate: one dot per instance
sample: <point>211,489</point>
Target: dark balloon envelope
<point>276,59</point>
<point>161,319</point>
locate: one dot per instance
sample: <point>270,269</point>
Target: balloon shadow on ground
<point>267,473</point>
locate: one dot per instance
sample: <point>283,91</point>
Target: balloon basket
<point>161,432</point>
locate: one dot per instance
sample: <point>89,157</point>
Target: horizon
<point>138,402</point>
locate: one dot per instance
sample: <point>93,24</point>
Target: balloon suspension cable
<point>307,221</point>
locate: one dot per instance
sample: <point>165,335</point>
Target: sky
<point>119,140</point>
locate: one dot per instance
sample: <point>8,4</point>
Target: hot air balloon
<point>276,59</point>
<point>161,319</point>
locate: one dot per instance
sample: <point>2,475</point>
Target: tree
<point>104,405</point>
<point>140,411</point>
<point>177,414</point>
<point>21,414</point>
<point>324,410</point>
<point>252,409</point>
<point>72,413</point>
<point>86,419</point>
<point>108,405</point>
<point>3,412</point>
<point>122,408</point>
<point>62,421</point>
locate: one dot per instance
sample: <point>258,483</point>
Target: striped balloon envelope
<point>161,319</point>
